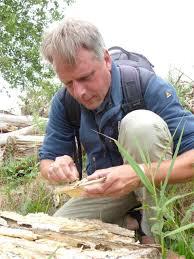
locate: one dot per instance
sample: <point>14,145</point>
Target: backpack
<point>128,63</point>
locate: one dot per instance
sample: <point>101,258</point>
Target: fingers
<point>73,170</point>
<point>100,189</point>
<point>55,173</point>
<point>98,174</point>
<point>63,169</point>
<point>99,192</point>
<point>115,185</point>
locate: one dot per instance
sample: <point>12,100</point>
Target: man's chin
<point>91,106</point>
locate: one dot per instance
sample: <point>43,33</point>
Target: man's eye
<point>69,85</point>
<point>87,77</point>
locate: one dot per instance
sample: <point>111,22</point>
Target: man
<point>78,55</point>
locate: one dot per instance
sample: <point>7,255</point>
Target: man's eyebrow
<point>86,75</point>
<point>81,77</point>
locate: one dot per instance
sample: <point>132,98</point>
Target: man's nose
<point>79,89</point>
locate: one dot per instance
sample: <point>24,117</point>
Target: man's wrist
<point>133,175</point>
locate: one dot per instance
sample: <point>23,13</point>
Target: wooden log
<point>22,146</point>
<point>18,121</point>
<point>21,121</point>
<point>5,112</point>
<point>24,131</point>
<point>42,236</point>
<point>6,127</point>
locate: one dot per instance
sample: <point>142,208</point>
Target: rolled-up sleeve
<point>59,137</point>
<point>161,98</point>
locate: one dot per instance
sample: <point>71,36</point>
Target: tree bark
<point>42,236</point>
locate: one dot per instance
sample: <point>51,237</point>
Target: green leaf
<point>145,180</point>
<point>179,230</point>
<point>157,227</point>
<point>135,167</point>
<point>188,215</point>
<point>163,187</point>
<point>173,199</point>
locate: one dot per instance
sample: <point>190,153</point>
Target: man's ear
<point>108,59</point>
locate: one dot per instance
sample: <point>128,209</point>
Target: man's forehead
<point>68,73</point>
<point>72,59</point>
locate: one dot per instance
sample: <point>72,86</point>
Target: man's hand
<point>63,169</point>
<point>120,180</point>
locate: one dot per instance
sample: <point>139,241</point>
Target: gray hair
<point>68,36</point>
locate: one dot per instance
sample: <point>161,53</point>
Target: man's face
<point>89,80</point>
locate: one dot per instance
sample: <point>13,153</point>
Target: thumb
<point>74,170</point>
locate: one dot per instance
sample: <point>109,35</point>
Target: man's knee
<point>141,122</point>
<point>146,130</point>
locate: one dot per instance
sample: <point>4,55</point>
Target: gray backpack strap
<point>131,87</point>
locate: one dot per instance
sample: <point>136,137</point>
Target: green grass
<point>21,188</point>
<point>18,172</point>
<point>183,85</point>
